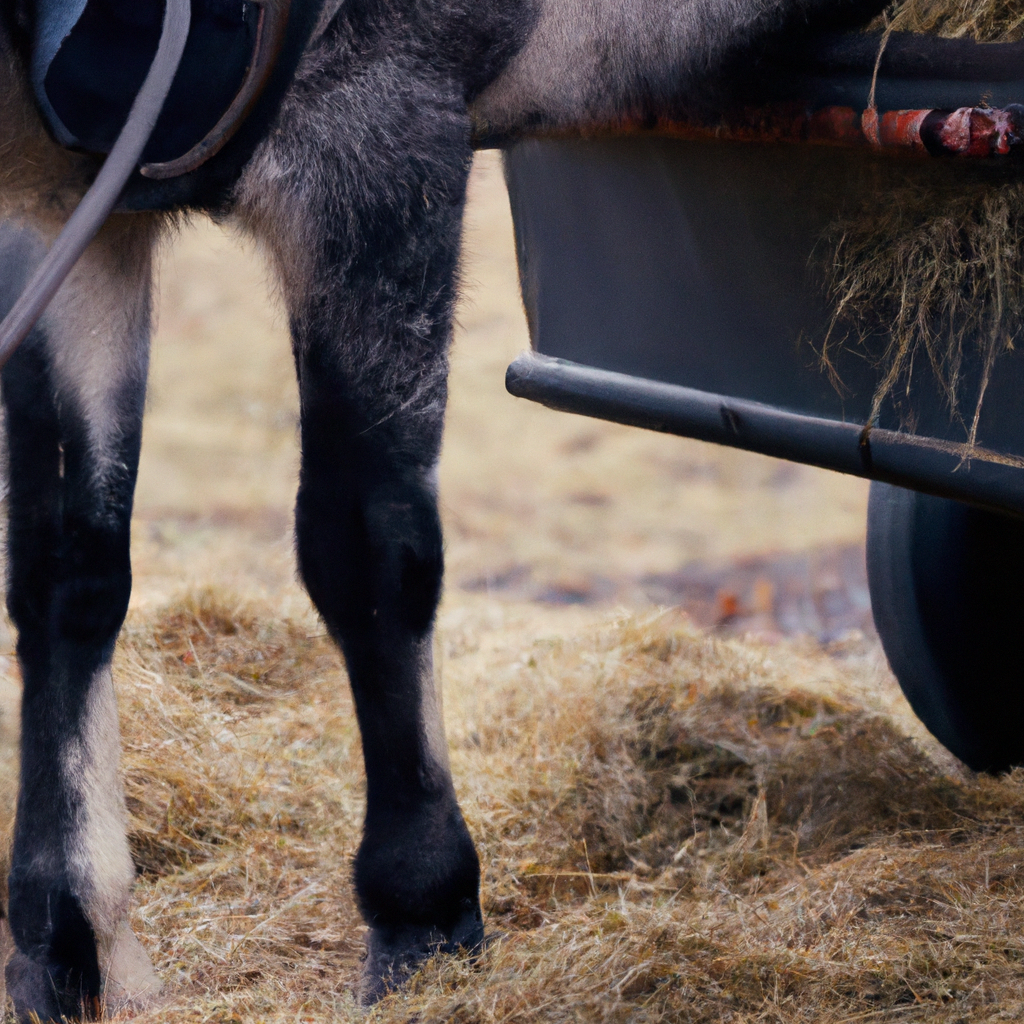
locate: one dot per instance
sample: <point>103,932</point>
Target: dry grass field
<point>685,814</point>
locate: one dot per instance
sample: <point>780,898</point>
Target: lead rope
<point>103,194</point>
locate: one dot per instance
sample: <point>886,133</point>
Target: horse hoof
<point>31,988</point>
<point>393,955</point>
<point>130,984</point>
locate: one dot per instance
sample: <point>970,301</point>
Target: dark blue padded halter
<point>89,58</point>
<point>99,201</point>
<point>53,24</point>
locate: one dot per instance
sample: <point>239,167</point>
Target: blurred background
<point>539,507</point>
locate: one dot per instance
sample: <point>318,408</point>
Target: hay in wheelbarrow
<point>939,269</point>
<point>987,21</point>
<point>940,274</point>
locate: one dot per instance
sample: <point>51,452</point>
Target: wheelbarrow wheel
<point>947,595</point>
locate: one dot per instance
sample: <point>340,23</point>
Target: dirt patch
<point>821,592</point>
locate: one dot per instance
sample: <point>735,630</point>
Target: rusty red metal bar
<point>968,131</point>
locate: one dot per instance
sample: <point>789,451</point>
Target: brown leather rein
<point>102,196</point>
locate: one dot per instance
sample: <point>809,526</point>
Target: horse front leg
<point>366,232</point>
<point>370,553</point>
<point>73,396</point>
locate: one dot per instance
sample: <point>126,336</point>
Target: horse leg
<point>73,396</point>
<point>369,266</point>
<point>369,544</point>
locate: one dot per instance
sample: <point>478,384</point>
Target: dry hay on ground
<point>672,827</point>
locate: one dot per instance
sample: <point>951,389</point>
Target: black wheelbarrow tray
<point>665,274</point>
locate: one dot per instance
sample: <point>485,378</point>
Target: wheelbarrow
<point>665,275</point>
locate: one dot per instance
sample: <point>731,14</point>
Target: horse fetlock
<point>58,967</point>
<point>417,879</point>
<point>54,969</point>
<point>42,990</point>
<point>416,865</point>
<point>41,993</point>
<point>72,874</point>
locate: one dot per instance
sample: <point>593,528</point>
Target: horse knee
<point>89,610</point>
<point>406,531</point>
<point>372,555</point>
<point>75,593</point>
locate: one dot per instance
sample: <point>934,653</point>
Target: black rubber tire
<point>947,595</point>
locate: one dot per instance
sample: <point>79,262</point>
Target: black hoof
<point>393,955</point>
<point>39,994</point>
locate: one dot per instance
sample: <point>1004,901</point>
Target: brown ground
<point>674,825</point>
